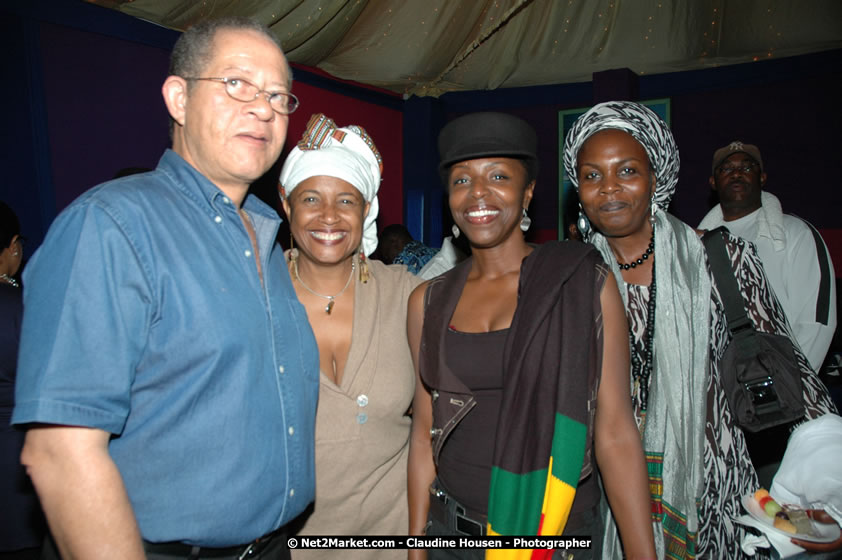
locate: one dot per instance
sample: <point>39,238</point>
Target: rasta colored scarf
<point>552,359</point>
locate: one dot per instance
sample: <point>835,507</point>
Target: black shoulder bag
<point>759,371</point>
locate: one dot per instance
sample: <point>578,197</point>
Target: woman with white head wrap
<point>346,153</point>
<point>624,163</point>
<point>329,185</point>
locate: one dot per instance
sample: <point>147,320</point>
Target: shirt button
<point>291,430</point>
<point>362,418</point>
<point>291,492</point>
<point>226,200</point>
<point>362,400</point>
<point>248,253</point>
<point>281,369</point>
<point>218,219</point>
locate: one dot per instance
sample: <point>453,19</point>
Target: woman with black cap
<point>514,349</point>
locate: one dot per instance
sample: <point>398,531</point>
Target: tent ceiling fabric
<point>429,47</point>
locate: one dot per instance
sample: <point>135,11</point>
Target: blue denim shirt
<point>415,255</point>
<point>144,316</point>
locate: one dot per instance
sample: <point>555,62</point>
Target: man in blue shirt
<point>398,247</point>
<point>167,373</point>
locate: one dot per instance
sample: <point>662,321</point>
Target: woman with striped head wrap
<point>623,161</point>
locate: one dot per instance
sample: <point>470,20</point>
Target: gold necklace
<point>330,299</point>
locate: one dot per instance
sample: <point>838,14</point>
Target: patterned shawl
<point>674,437</point>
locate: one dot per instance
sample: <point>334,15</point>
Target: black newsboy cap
<point>486,134</point>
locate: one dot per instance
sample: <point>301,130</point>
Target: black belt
<point>454,515</point>
<point>241,552</point>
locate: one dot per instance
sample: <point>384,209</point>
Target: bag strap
<point>729,290</point>
<point>743,334</point>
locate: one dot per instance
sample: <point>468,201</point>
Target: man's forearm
<point>82,493</point>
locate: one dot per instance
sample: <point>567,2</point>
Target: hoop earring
<point>456,231</point>
<point>525,222</point>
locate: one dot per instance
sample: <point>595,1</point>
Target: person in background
<point>623,161</point>
<point>446,258</point>
<point>21,520</point>
<point>168,375</point>
<point>521,356</point>
<point>357,308</point>
<point>398,247</point>
<point>794,256</point>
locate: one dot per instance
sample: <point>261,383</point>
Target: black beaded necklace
<point>643,257</point>
<point>642,364</point>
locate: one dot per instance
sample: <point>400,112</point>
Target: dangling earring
<point>293,252</point>
<point>456,232</point>
<point>363,267</point>
<point>525,221</point>
<point>583,224</point>
<point>653,207</point>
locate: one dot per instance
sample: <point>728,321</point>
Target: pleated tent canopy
<point>430,47</point>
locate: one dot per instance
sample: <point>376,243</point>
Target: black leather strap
<point>182,550</point>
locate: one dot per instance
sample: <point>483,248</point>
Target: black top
<point>465,460</point>
<point>21,521</point>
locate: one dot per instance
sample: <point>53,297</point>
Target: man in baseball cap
<point>794,256</point>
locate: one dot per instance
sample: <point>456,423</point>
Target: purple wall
<point>795,123</point>
<point>104,107</point>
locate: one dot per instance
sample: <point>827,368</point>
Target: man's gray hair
<point>194,49</point>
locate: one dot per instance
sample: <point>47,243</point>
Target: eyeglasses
<point>243,90</point>
<point>748,167</point>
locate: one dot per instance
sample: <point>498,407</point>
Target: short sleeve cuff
<point>67,414</point>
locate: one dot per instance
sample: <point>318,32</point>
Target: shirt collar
<point>202,191</point>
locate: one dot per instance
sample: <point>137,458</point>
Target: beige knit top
<point>362,426</point>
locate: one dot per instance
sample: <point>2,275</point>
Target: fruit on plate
<point>766,502</point>
<point>771,508</point>
<point>783,523</point>
<point>789,518</point>
<point>799,518</point>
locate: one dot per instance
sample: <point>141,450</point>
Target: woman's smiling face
<point>616,183</point>
<point>487,197</point>
<point>326,217</point>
